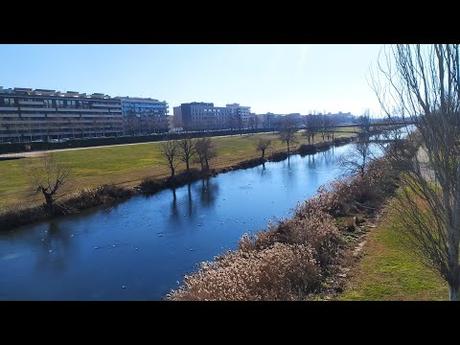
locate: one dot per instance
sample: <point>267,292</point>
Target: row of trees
<point>188,151</point>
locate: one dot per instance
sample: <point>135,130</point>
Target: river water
<point>141,248</point>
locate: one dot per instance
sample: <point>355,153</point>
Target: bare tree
<point>262,145</point>
<point>309,133</point>
<point>359,157</point>
<point>324,122</point>
<point>287,133</point>
<point>364,122</point>
<point>48,178</point>
<point>205,151</point>
<point>421,85</point>
<point>170,151</point>
<point>187,151</point>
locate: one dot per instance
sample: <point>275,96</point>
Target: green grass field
<point>388,270</point>
<point>122,165</point>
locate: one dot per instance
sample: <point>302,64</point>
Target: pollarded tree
<point>287,133</point>
<point>48,178</point>
<point>262,146</point>
<point>309,133</point>
<point>421,84</point>
<point>205,151</point>
<point>186,151</point>
<point>170,152</point>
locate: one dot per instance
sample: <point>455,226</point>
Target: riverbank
<point>109,194</point>
<point>301,258</point>
<point>387,271</point>
<point>124,166</point>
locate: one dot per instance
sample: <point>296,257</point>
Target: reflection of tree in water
<point>289,172</point>
<point>174,209</point>
<point>264,171</point>
<point>189,200</point>
<point>208,192</point>
<point>311,162</point>
<point>329,156</point>
<point>55,247</point>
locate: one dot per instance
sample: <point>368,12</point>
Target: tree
<point>187,151</point>
<point>421,84</point>
<point>309,124</point>
<point>262,145</point>
<point>325,123</point>
<point>359,157</point>
<point>170,151</point>
<point>287,133</point>
<point>205,151</point>
<point>364,122</point>
<point>48,178</point>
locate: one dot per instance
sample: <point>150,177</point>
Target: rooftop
<point>46,92</point>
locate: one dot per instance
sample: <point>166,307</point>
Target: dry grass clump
<point>287,262</point>
<point>281,272</point>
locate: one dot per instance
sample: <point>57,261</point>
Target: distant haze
<point>269,78</point>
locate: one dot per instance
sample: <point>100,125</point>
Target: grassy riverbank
<point>300,258</point>
<point>124,166</point>
<point>388,270</point>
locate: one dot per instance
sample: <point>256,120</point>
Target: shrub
<point>305,149</point>
<point>281,272</point>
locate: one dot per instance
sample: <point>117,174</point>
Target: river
<point>141,248</point>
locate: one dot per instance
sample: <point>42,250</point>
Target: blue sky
<point>269,78</point>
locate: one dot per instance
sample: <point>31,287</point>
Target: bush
<point>281,272</point>
<point>306,149</point>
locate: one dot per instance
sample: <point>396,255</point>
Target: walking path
<point>42,152</point>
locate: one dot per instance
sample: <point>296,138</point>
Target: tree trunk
<point>49,200</point>
<point>287,143</point>
<point>187,164</point>
<point>263,154</point>
<point>173,171</point>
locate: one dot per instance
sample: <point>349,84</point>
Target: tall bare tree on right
<point>420,84</point>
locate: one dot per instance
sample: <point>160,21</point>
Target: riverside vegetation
<point>301,257</point>
<point>71,200</point>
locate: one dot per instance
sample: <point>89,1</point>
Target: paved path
<point>40,153</point>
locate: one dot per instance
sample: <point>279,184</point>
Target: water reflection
<point>190,200</point>
<point>311,162</point>
<point>75,258</point>
<point>264,171</point>
<point>174,214</point>
<point>54,249</point>
<point>209,192</point>
<point>183,206</point>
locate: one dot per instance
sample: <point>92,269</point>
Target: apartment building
<point>206,116</point>
<point>37,114</point>
<point>195,116</point>
<point>144,115</point>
